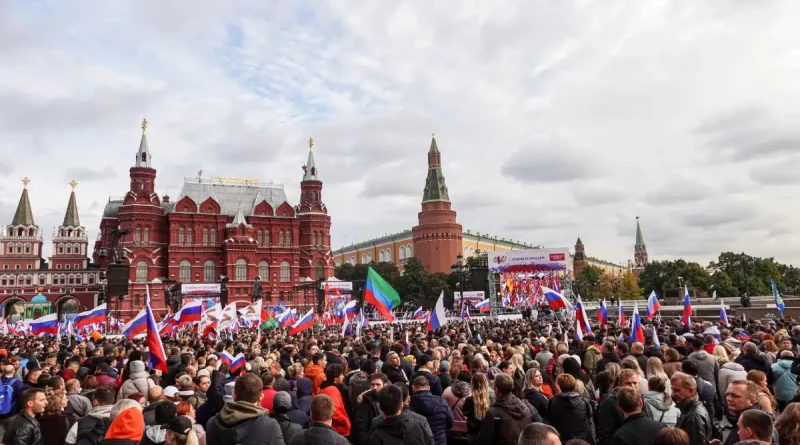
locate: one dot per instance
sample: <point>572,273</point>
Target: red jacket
<point>105,380</point>
<point>269,396</point>
<point>341,423</point>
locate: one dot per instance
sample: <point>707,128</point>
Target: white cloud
<point>554,118</point>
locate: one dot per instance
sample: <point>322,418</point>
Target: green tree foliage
<point>413,284</point>
<point>588,283</point>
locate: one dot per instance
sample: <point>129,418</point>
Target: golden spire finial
<point>144,126</point>
<point>25,182</point>
<point>433,135</point>
<point>73,184</point>
<point>310,144</point>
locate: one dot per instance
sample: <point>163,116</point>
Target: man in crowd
<point>637,428</point>
<point>742,396</point>
<point>694,418</point>
<point>321,431</point>
<point>426,370</point>
<point>756,425</point>
<point>539,434</point>
<point>609,416</point>
<point>433,408</point>
<point>397,427</point>
<point>92,427</point>
<point>367,408</point>
<point>243,421</point>
<point>24,429</point>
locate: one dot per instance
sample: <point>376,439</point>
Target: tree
<point>413,284</point>
<point>606,287</point>
<point>587,283</point>
<point>437,283</point>
<point>722,283</point>
<point>628,288</point>
<point>344,272</point>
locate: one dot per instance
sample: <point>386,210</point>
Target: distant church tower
<point>70,242</point>
<point>579,261</point>
<point>315,224</point>
<point>639,251</point>
<point>21,241</point>
<point>437,237</point>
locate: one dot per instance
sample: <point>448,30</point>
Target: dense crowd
<point>490,382</point>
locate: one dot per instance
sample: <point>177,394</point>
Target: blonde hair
<point>614,369</point>
<point>189,438</point>
<point>480,395</point>
<point>632,363</point>
<point>721,354</point>
<point>654,368</point>
<point>55,401</point>
<point>518,361</point>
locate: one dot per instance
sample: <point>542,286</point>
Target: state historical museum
<point>237,228</point>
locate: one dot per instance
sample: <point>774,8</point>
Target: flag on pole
<point>638,331</point>
<point>578,330</point>
<point>581,316</point>
<point>687,307</point>
<point>723,316</point>
<point>381,294</point>
<point>621,321</point>
<point>655,337</point>
<point>602,314</point>
<point>652,305</point>
<point>777,295</point>
<point>158,359</point>
<point>437,318</point>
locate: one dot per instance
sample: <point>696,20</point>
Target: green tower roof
<point>639,237</point>
<point>24,214</point>
<point>71,218</point>
<point>435,188</point>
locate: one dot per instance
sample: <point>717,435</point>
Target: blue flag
<point>778,300</point>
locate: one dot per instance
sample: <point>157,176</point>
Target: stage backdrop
<point>531,260</point>
<point>522,273</point>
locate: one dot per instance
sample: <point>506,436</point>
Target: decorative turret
<point>580,254</point>
<point>70,240</point>
<point>143,156</point>
<point>71,218</point>
<point>143,175</point>
<point>640,249</point>
<point>435,189</point>
<point>21,241</point>
<point>24,214</point>
<point>310,169</point>
<point>315,224</point>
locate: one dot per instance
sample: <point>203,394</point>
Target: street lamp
<point>460,269</point>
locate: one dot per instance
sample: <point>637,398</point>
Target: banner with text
<point>205,290</point>
<point>340,285</point>
<point>530,260</point>
<point>471,296</point>
<point>524,272</point>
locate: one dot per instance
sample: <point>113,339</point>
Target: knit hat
<point>423,360</point>
<point>129,424</point>
<point>181,425</point>
<point>137,366</point>
<point>165,412</point>
<point>281,402</point>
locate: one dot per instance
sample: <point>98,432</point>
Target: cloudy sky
<point>555,119</point>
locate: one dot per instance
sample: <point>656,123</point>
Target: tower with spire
<point>70,240</point>
<point>315,224</point>
<point>437,236</point>
<point>639,250</point>
<point>21,241</point>
<point>579,261</point>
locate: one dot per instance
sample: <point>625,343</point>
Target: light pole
<point>460,270</point>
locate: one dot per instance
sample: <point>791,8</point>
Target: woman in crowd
<point>631,363</point>
<point>673,363</point>
<point>53,423</point>
<point>571,414</point>
<point>655,369</point>
<point>456,395</point>
<point>573,368</point>
<point>658,403</point>
<point>333,386</point>
<point>186,409</point>
<point>476,405</point>
<point>139,397</point>
<point>534,391</point>
<point>765,397</point>
<point>788,425</point>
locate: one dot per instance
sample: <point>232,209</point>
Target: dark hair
<point>248,388</point>
<point>672,436</point>
<point>267,379</point>
<point>390,400</point>
<point>28,395</point>
<point>505,365</point>
<point>536,434</point>
<point>105,395</point>
<point>628,399</point>
<point>403,389</point>
<point>465,376</point>
<point>421,382</point>
<point>333,371</point>
<point>503,384</point>
<point>658,383</point>
<point>604,382</point>
<point>689,367</point>
<point>55,382</point>
<point>316,358</point>
<point>321,408</point>
<point>760,422</point>
<point>379,376</point>
<point>368,366</point>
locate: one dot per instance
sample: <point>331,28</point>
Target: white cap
<point>170,391</point>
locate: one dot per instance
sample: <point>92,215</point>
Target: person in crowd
<point>282,404</point>
<point>591,355</point>
<point>243,421</point>
<point>654,367</point>
<point>367,408</point>
<point>103,377</point>
<point>742,396</point>
<point>476,405</point>
<point>9,379</point>
<point>89,386</point>
<point>750,359</point>
<point>321,432</point>
<point>268,380</point>
<point>185,409</point>
<point>333,386</point>
<point>304,389</point>
<point>694,418</point>
<point>705,390</point>
<point>571,414</point>
<point>127,427</point>
<point>53,422</point>
<point>426,370</point>
<point>534,391</point>
<point>358,380</point>
<point>397,427</point>
<point>631,363</point>
<point>80,404</point>
<point>24,429</point>
<point>609,416</point>
<point>538,433</point>
<point>755,425</point>
<point>394,370</point>
<point>729,372</point>
<point>788,425</point>
<point>658,403</point>
<point>90,429</point>
<point>507,416</point>
<point>673,362</point>
<point>707,366</point>
<point>434,409</point>
<point>154,434</point>
<point>637,428</point>
<point>139,381</point>
<point>181,431</point>
<point>456,395</point>
<point>316,371</point>
<point>201,382</point>
<point>765,397</point>
<point>672,436</point>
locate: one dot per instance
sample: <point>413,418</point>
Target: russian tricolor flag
<point>286,318</point>
<point>158,358</point>
<point>419,313</point>
<point>723,316</point>
<point>484,306</point>
<point>602,314</point>
<point>578,330</point>
<point>437,318</point>
<point>555,299</point>
<point>687,307</point>
<point>136,326</point>
<point>226,358</point>
<point>581,316</point>
<point>652,305</point>
<point>237,363</point>
<point>45,325</point>
<point>305,322</point>
<point>190,313</point>
<point>622,319</point>
<point>96,315</point>
<point>638,331</point>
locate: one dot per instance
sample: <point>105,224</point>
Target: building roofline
<point>371,242</point>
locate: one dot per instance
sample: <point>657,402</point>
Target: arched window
<point>209,272</point>
<point>313,196</point>
<point>364,259</point>
<point>241,270</point>
<point>189,237</point>
<point>286,272</point>
<point>213,236</point>
<point>60,249</point>
<point>267,238</point>
<point>288,238</point>
<point>369,257</point>
<point>402,252</point>
<point>141,272</point>
<point>185,273</point>
<point>28,248</point>
<point>263,271</point>
<point>146,239</point>
<point>409,251</point>
<point>205,236</point>
<point>137,236</point>
<point>388,257</point>
<point>260,237</point>
<point>319,271</point>
<point>280,238</point>
<point>380,256</point>
<point>180,236</point>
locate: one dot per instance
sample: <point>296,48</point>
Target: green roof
<point>24,214</point>
<point>71,218</point>
<point>639,237</point>
<point>435,189</point>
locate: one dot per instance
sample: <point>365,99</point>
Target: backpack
<point>7,397</point>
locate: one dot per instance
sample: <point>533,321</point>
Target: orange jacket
<point>341,423</point>
<point>317,375</point>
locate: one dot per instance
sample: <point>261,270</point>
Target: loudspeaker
<point>479,278</point>
<point>118,277</point>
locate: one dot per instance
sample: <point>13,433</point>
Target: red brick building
<point>217,227</point>
<point>30,286</point>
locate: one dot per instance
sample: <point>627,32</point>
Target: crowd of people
<point>498,382</point>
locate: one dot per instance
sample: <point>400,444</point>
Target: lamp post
<point>460,269</point>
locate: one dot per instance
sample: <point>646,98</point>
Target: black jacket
<point>757,362</point>
<point>436,410</point>
<point>23,430</point>
<point>214,401</point>
<point>399,430</point>
<point>366,410</point>
<point>433,380</point>
<point>637,429</point>
<point>242,423</point>
<point>707,394</point>
<point>318,434</point>
<point>607,358</point>
<point>506,419</point>
<point>288,428</point>
<point>538,400</point>
<point>733,419</point>
<point>696,422</point>
<point>571,415</point>
<point>609,418</point>
<point>412,417</point>
<point>396,375</point>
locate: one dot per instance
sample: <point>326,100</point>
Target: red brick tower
<point>70,241</point>
<point>437,237</point>
<point>579,261</point>
<point>315,224</point>
<point>639,251</point>
<point>21,242</point>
